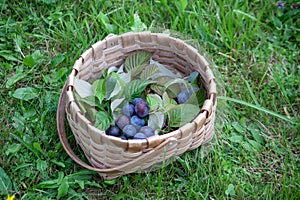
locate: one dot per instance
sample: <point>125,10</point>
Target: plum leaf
<point>135,88</point>
<point>103,120</point>
<point>178,115</point>
<point>83,88</point>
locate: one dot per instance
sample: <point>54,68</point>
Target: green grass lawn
<point>255,47</point>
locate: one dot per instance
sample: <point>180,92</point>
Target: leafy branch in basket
<point>142,94</point>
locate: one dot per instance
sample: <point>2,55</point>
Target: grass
<point>255,46</point>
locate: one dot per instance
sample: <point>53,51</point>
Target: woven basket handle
<point>60,117</point>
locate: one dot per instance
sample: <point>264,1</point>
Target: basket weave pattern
<point>111,156</point>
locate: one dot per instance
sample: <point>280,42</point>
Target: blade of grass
<point>251,92</point>
<point>245,14</point>
<point>257,108</point>
<point>281,86</point>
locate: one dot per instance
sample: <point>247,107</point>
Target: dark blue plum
<point>137,121</point>
<point>122,121</point>
<point>135,100</point>
<point>139,136</point>
<point>128,109</point>
<point>129,131</point>
<point>183,96</point>
<point>148,131</point>
<point>141,108</point>
<point>113,131</point>
<point>123,137</point>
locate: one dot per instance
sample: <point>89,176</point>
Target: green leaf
<point>110,86</point>
<point>238,127</point>
<point>58,59</point>
<point>256,134</point>
<point>158,89</point>
<point>110,28</point>
<point>83,88</point>
<point>201,96</point>
<point>37,56</point>
<point>63,188</point>
<point>19,42</point>
<point>138,25</point>
<point>12,149</point>
<point>154,101</point>
<point>156,120</point>
<point>236,138</point>
<point>91,112</point>
<point>41,165</point>
<point>79,103</point>
<point>181,114</point>
<point>112,69</point>
<point>81,175</point>
<point>119,79</point>
<point>14,79</point>
<point>194,100</point>
<point>149,71</point>
<point>37,146</point>
<point>135,88</point>
<point>167,101</point>
<point>5,182</point>
<point>247,146</point>
<point>110,182</point>
<point>164,71</point>
<point>50,184</point>
<point>58,163</point>
<point>230,190</point>
<point>103,120</point>
<point>165,84</point>
<point>135,62</point>
<point>80,183</point>
<point>298,37</point>
<point>8,55</point>
<point>179,83</point>
<point>28,61</point>
<point>115,104</point>
<point>184,3</point>
<point>31,112</point>
<point>175,86</point>
<point>125,77</point>
<point>56,76</point>
<point>113,86</point>
<point>26,94</point>
<point>256,145</point>
<point>99,88</point>
<point>91,100</point>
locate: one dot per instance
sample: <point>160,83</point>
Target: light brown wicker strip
<point>111,156</point>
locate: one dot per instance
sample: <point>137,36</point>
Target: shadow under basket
<point>111,156</point>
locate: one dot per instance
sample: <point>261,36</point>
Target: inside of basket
<point>169,59</point>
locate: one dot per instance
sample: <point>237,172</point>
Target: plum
<point>129,131</point>
<point>148,131</point>
<point>139,136</point>
<point>128,109</point>
<point>137,121</point>
<point>183,97</point>
<point>113,131</point>
<point>122,121</point>
<point>141,108</point>
<point>135,100</point>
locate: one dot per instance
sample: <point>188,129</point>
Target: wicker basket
<point>111,156</point>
